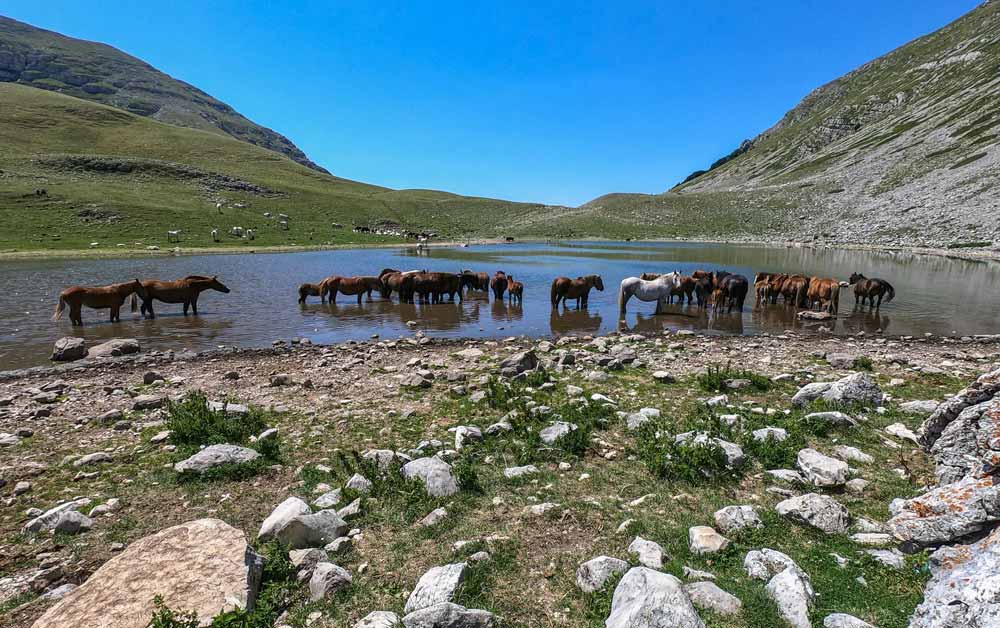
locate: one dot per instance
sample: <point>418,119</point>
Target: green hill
<point>903,149</point>
<point>98,72</point>
<point>112,177</point>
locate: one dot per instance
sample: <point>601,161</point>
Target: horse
<point>866,289</point>
<point>350,286</point>
<point>515,290</point>
<point>184,291</point>
<point>825,293</point>
<point>655,290</point>
<point>685,289</point>
<point>564,288</point>
<point>730,291</point>
<point>705,283</point>
<point>308,290</point>
<point>401,282</point>
<point>498,284</point>
<point>475,281</point>
<point>433,286</point>
<point>97,298</point>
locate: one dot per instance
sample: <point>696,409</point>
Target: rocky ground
<point>579,482</point>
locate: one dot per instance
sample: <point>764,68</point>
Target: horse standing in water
<point>499,284</point>
<point>655,290</point>
<point>308,290</point>
<point>515,290</point>
<point>866,289</point>
<point>565,288</point>
<point>730,292</point>
<point>186,291</point>
<point>349,286</point>
<point>97,298</point>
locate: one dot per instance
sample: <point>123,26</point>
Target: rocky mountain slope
<point>903,149</point>
<point>98,72</point>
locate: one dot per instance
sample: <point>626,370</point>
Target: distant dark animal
<point>509,239</point>
<point>565,288</point>
<point>185,290</point>
<point>97,298</point>
<point>350,286</point>
<point>498,284</point>
<point>824,293</point>
<point>866,289</point>
<point>730,291</point>
<point>515,290</point>
<point>308,290</point>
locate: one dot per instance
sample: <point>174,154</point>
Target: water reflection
<point>574,321</point>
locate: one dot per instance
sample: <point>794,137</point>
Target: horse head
<point>597,282</point>
<point>139,289</point>
<point>855,278</point>
<point>215,284</point>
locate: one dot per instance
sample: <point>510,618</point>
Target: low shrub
<point>715,377</point>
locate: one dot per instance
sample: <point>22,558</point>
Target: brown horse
<point>97,298</point>
<point>685,289</point>
<point>825,293</point>
<point>794,289</point>
<point>515,290</point>
<point>499,284</point>
<point>432,287</point>
<point>350,286</point>
<point>866,289</point>
<point>476,281</point>
<point>186,291</point>
<point>308,290</point>
<point>565,288</point>
<point>730,292</point>
<point>399,282</point>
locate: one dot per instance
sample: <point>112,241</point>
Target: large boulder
<point>947,513</point>
<point>651,599</point>
<point>821,470</point>
<point>281,515</point>
<point>858,388</point>
<point>983,389</point>
<point>793,594</point>
<point>436,586</point>
<point>216,456</point>
<point>968,444</point>
<point>736,518</point>
<point>964,589</point>
<point>314,530</point>
<point>519,363</point>
<point>327,579</point>
<point>819,511</point>
<point>436,475</point>
<point>708,596</point>
<point>115,348</point>
<point>203,566</point>
<point>68,349</point>
<point>448,615</point>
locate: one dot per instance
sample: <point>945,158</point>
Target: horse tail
<point>135,303</point>
<point>59,309</point>
<point>553,294</point>
<point>621,297</point>
<point>836,299</point>
<point>891,291</point>
<point>800,295</point>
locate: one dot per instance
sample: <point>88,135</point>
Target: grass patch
<point>715,377</point>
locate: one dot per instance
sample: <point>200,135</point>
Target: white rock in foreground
<point>216,456</point>
<point>650,553</point>
<point>793,594</point>
<point>819,511</point>
<point>436,586</point>
<point>651,599</point>
<point>735,518</point>
<point>708,596</point>
<point>592,575</point>
<point>436,475</point>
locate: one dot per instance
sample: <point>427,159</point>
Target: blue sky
<point>526,100</point>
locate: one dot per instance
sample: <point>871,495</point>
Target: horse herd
<point>723,290</point>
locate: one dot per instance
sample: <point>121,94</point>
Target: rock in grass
<point>203,566</point>
<point>859,388</point>
<point>448,615</point>
<point>821,470</point>
<point>359,483</point>
<point>846,452</point>
<point>327,579</point>
<point>831,417</point>
<point>433,518</point>
<point>95,458</point>
<point>312,530</point>
<point>593,574</point>
<point>793,594</point>
<point>948,512</point>
<point>843,620</point>
<point>329,499</point>
<point>705,540</point>
<point>68,349</point>
<point>735,518</point>
<point>379,619</point>
<point>281,515</point>
<point>821,512</point>
<point>645,598</point>
<point>650,553</point>
<point>436,475</point>
<point>518,472</point>
<point>841,360</point>
<point>148,402</point>
<point>216,456</point>
<point>436,586</point>
<point>708,596</point>
<point>925,407</point>
<point>555,431</point>
<point>765,563</point>
<point>52,518</point>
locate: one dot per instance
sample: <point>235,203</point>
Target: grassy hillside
<point>116,178</point>
<point>903,149</point>
<point>98,72</point>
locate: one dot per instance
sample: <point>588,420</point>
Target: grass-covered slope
<point>116,178</point>
<point>98,72</point>
<point>903,148</point>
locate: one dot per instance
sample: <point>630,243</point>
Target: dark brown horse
<point>396,281</point>
<point>825,293</point>
<point>866,289</point>
<point>186,291</point>
<point>499,284</point>
<point>308,290</point>
<point>565,288</point>
<point>350,286</point>
<point>515,290</point>
<point>97,298</point>
<point>794,289</point>
<point>432,287</point>
<point>730,292</point>
<point>705,284</point>
<point>475,281</point>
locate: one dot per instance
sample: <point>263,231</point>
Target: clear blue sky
<point>524,100</point>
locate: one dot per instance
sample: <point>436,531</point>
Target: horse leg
<point>360,294</point>
<point>878,305</point>
<point>149,308</point>
<point>114,313</point>
<point>194,304</point>
<point>187,304</point>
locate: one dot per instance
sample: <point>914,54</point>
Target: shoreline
<point>968,254</point>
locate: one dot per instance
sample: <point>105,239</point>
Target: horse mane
<point>198,278</point>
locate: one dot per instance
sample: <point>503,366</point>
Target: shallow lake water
<point>936,295</point>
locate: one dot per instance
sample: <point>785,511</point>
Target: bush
<point>685,461</point>
<point>193,425</point>
<point>715,377</point>
<point>863,363</point>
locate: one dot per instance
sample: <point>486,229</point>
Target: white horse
<point>655,290</point>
